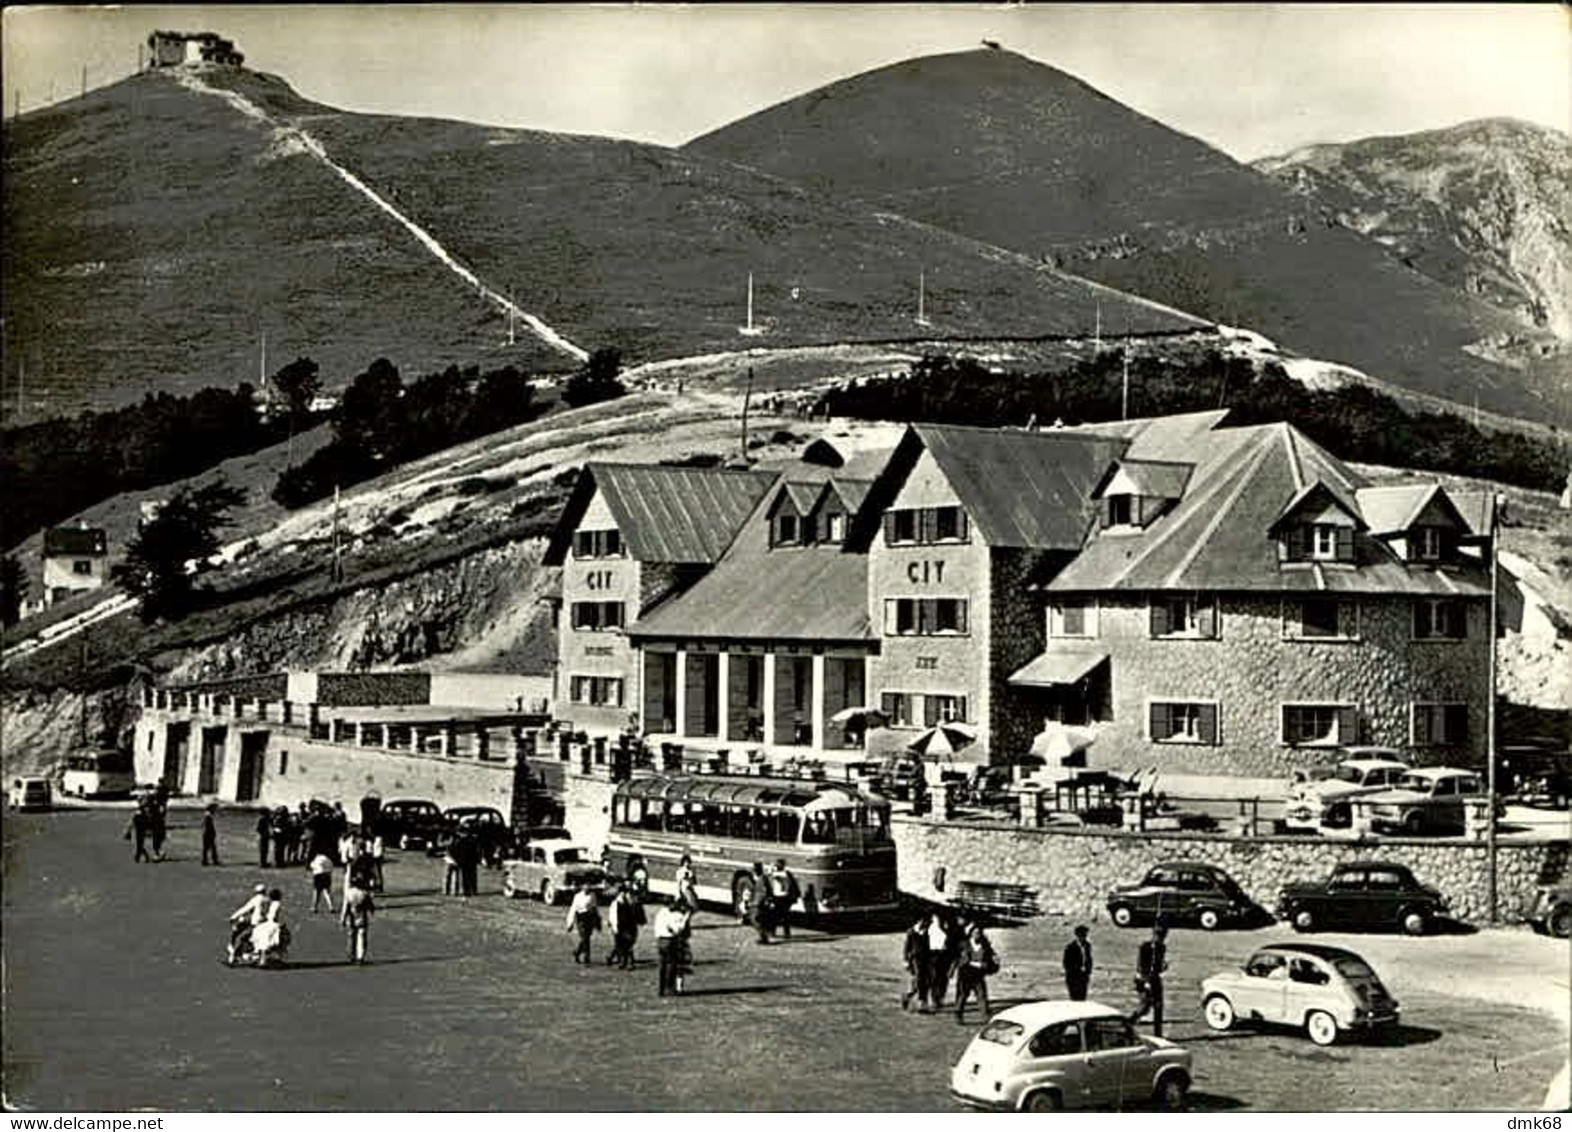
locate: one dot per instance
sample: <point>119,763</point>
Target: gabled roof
<point>1319,490</point>
<point>850,492</point>
<point>1021,489</point>
<point>1396,508</point>
<point>1478,510</point>
<point>665,514</point>
<point>1162,479</point>
<point>803,495</point>
<point>75,541</point>
<point>1216,538</point>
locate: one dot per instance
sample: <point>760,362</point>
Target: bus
<point>833,837</point>
<point>96,774</point>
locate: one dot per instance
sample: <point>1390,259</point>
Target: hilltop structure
<point>176,48</point>
<point>76,559</point>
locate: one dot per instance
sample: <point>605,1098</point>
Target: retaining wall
<point>1073,869</point>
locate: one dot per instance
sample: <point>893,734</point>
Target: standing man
<point>915,954</point>
<point>584,919</point>
<point>975,962</point>
<point>321,882</point>
<point>1150,963</point>
<point>356,918</point>
<point>210,835</point>
<point>940,958</point>
<point>627,916</point>
<point>784,894</point>
<point>158,826</point>
<point>264,831</point>
<point>671,926</point>
<point>138,830</point>
<point>1078,964</point>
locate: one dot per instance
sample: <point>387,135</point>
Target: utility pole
<point>747,399</point>
<point>84,80</point>
<point>82,674</point>
<point>1490,713</point>
<point>338,569</point>
<point>1124,397</point>
<point>1097,334</point>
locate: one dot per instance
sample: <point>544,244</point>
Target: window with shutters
<point>949,524</point>
<point>900,527</point>
<point>925,616</point>
<point>1320,725</point>
<point>938,708</point>
<point>593,616</point>
<point>926,526</point>
<point>1318,542</point>
<point>899,708</point>
<point>1073,617</point>
<point>1183,721</point>
<point>1321,619</point>
<point>1436,725</point>
<point>596,691</point>
<point>1427,544</point>
<point>1188,618</point>
<point>597,544</point>
<point>1440,619</point>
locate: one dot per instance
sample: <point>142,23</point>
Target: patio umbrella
<point>867,716</point>
<point>1056,742</point>
<point>942,739</point>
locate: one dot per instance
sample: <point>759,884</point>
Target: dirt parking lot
<point>115,998</point>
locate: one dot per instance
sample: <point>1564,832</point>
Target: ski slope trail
<point>293,139</point>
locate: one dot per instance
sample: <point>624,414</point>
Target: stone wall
<point>1019,633</point>
<point>338,773</point>
<point>1073,870</point>
<point>1250,671</point>
<point>373,689</point>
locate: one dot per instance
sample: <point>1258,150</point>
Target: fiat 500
<point>1044,1056</point>
<point>1326,990</point>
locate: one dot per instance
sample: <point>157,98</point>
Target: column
<point>768,695</point>
<point>450,739</point>
<point>482,742</point>
<point>816,702</point>
<point>680,715</point>
<point>723,695</point>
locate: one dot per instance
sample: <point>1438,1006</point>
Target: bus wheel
<point>742,895</point>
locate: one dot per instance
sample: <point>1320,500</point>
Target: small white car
<point>1427,800</point>
<point>1321,798</point>
<point>1327,990</point>
<point>31,793</point>
<point>1046,1056</point>
<point>551,870</point>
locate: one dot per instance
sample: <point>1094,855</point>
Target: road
<point>115,998</point>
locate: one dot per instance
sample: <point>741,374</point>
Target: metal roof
<point>63,541</point>
<point>1162,479</point>
<point>665,514</point>
<point>1057,666</point>
<point>722,790</point>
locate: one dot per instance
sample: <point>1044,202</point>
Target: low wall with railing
<point>1072,869</point>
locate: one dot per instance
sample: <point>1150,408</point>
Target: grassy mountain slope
<point>1016,153</point>
<point>155,232</point>
<point>1481,207</point>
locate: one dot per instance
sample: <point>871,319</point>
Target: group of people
<point>940,947</point>
<point>150,823</point>
<point>1151,961</point>
<point>259,934</point>
<point>295,838</point>
<point>673,925</point>
<point>774,893</point>
<point>463,858</point>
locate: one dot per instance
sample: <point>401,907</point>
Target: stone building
<point>76,559</point>
<point>176,48</point>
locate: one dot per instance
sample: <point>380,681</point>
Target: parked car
<point>1425,800</point>
<point>1537,773</point>
<point>1552,911</point>
<point>1327,990</point>
<point>411,823</point>
<point>1182,892</point>
<point>1321,797</point>
<point>551,870</point>
<point>32,793</point>
<point>1363,894</point>
<point>1045,1056</point>
<point>496,839</point>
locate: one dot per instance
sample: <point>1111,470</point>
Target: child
<point>321,882</point>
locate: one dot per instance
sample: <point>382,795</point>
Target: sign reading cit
<point>927,662</point>
<point>598,580</point>
<point>925,572</point>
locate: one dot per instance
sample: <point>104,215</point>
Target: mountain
<point>1011,151</point>
<point>1482,208</point>
<point>157,228</point>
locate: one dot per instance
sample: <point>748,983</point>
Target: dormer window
<point>835,527</point>
<point>1121,510</point>
<point>787,531</point>
<point>1429,544</point>
<point>1318,542</point>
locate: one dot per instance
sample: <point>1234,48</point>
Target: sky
<point>1253,80</point>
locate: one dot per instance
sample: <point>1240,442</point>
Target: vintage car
<point>1320,799</point>
<point>1327,990</point>
<point>1552,910</point>
<point>411,823</point>
<point>1045,1056</point>
<point>1363,894</point>
<point>551,870</point>
<point>488,824</point>
<point>1189,892</point>
<point>31,793</point>
<point>1426,800</point>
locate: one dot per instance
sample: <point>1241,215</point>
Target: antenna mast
<point>1124,398</point>
<point>1097,334</point>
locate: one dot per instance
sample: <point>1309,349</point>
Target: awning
<point>1061,666</point>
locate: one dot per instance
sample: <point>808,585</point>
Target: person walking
<point>1150,963</point>
<point>356,918</point>
<point>321,882</point>
<point>158,829</point>
<point>264,832</point>
<point>974,963</point>
<point>941,958</point>
<point>1078,964</point>
<point>138,830</point>
<point>451,883</point>
<point>210,835</point>
<point>914,952</point>
<point>583,919</point>
<point>280,830</point>
<point>672,924</point>
<point>784,894</point>
<point>627,916</point>
<point>379,852</point>
<point>760,911</point>
<point>687,884</point>
<point>469,861</point>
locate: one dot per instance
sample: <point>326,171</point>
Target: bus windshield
<point>826,827</point>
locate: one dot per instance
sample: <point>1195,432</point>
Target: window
<point>900,526</point>
<point>1323,542</point>
<point>1320,725</point>
<point>1318,542</point>
<point>1109,1033</point>
<point>949,524</point>
<point>1191,617</point>
<point>834,527</point>
<point>283,763</point>
<point>1440,619</point>
<point>1057,1041</point>
<point>596,691</point>
<point>81,566</point>
<point>1437,725</point>
<point>898,706</point>
<point>1428,544</point>
<point>597,615</point>
<point>943,709</point>
<point>925,525</point>
<point>924,617</point>
<point>1265,965</point>
<point>597,544</point>
<point>1076,617</point>
<point>1180,722</point>
<point>1321,619</point>
<point>1121,510</point>
<point>786,531</point>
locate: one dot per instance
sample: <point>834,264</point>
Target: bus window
<point>819,830</point>
<point>790,826</point>
<point>741,823</point>
<point>765,826</point>
<point>650,814</point>
<point>677,818</point>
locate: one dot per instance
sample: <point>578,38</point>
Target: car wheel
<point>1044,1100</point>
<point>1414,824</point>
<point>742,896</point>
<point>1303,920</point>
<point>1321,1027</point>
<point>510,887</point>
<point>1209,919</point>
<point>1170,1093</point>
<point>1219,1012</point>
<point>1415,923</point>
<point>548,891</point>
<point>1123,915</point>
<point>1559,922</point>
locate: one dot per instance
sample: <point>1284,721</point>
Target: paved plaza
<point>116,998</point>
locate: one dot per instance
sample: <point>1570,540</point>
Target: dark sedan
<point>1363,894</point>
<point>1190,892</point>
<point>411,823</point>
<point>487,824</point>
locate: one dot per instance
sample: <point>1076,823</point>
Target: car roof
<point>473,810</point>
<point>1186,863</point>
<point>1373,764</point>
<point>1396,865</point>
<point>1034,1015</point>
<point>1319,950</point>
<point>1441,772</point>
<point>557,846</point>
<point>409,802</point>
